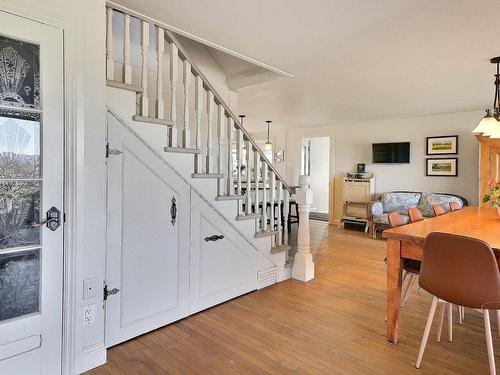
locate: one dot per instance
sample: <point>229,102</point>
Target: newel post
<point>303,266</point>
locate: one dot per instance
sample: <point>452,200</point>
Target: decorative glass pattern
<point>19,148</point>
<point>19,74</point>
<point>19,206</point>
<point>19,283</point>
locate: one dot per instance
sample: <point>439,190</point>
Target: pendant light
<point>268,146</point>
<point>489,126</point>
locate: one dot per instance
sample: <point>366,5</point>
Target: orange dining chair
<point>462,271</point>
<point>411,268</point>
<point>415,215</point>
<point>454,206</point>
<point>438,209</point>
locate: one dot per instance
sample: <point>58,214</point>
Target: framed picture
<point>279,155</point>
<point>447,167</point>
<point>443,145</point>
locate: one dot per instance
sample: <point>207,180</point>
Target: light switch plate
<point>89,288</point>
<point>89,315</point>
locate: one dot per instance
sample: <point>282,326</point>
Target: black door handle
<point>173,211</point>
<point>52,220</point>
<point>214,237</point>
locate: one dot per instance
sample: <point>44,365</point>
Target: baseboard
<point>92,357</point>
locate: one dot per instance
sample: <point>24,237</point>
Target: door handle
<point>173,211</point>
<point>52,220</point>
<point>214,237</point>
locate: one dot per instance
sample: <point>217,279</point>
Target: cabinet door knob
<point>214,237</point>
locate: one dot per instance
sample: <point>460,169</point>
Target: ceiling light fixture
<point>268,146</point>
<point>489,126</point>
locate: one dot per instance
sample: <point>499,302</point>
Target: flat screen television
<point>391,153</point>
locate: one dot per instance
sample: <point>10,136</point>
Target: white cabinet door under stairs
<point>148,239</point>
<point>223,264</point>
<point>164,263</point>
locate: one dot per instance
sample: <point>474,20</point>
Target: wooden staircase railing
<point>262,195</point>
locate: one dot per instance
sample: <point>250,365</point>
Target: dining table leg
<point>394,282</point>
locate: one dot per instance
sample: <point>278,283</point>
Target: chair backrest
<point>454,206</point>
<point>460,270</point>
<point>415,215</point>
<point>438,209</point>
<point>396,220</point>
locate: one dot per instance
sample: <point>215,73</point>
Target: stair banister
<point>174,76</point>
<point>144,71</point>
<point>127,68</point>
<point>229,171</point>
<point>160,49</point>
<point>210,111</point>
<point>279,237</point>
<point>198,105</point>
<point>221,134</point>
<point>248,184</point>
<point>263,221</point>
<point>186,131</point>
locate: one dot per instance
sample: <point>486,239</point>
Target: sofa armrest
<point>374,208</point>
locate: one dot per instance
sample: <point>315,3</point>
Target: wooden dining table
<point>407,242</point>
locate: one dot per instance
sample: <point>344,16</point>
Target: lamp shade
<point>492,129</point>
<point>268,146</point>
<point>487,124</point>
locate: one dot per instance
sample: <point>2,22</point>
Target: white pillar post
<point>303,266</point>
<point>144,71</point>
<point>110,68</point>
<point>127,68</point>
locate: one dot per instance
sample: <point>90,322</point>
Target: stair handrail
<point>183,54</point>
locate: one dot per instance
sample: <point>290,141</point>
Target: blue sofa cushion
<point>399,202</point>
<point>384,218</point>
<point>429,199</point>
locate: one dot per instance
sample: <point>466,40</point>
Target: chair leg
<point>427,330</point>
<point>442,308</point>
<point>498,322</point>
<point>450,322</point>
<point>489,342</point>
<point>460,316</point>
<point>409,286</point>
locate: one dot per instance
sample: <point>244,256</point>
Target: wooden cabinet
<point>489,163</point>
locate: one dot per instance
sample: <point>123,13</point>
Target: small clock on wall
<point>279,155</point>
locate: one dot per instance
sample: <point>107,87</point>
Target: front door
<point>31,182</point>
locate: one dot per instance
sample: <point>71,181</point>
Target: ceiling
<point>352,60</point>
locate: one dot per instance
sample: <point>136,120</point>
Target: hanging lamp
<point>268,146</point>
<point>489,126</point>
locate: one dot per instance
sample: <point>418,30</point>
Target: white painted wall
<point>353,145</point>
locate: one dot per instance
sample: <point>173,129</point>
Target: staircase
<point>195,130</point>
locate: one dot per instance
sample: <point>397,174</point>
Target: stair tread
<point>123,86</point>
<point>152,120</point>
<point>182,150</point>
<point>280,248</point>
<point>247,217</point>
<point>207,175</point>
<point>265,233</point>
<point>229,197</point>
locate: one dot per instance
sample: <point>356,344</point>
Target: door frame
<point>73,187</point>
<point>293,146</point>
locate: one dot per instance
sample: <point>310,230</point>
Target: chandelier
<point>489,126</point>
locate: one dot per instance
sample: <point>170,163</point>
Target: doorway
<point>315,162</point>
<point>31,196</point>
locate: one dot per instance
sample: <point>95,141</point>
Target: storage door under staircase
<point>148,239</point>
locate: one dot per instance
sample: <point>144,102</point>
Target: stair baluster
<point>174,76</point>
<point>127,69</point>
<point>144,71</point>
<point>263,220</point>
<point>230,179</point>
<point>239,142</point>
<point>286,212</point>
<point>256,168</point>
<point>248,192</point>
<point>186,133</point>
<point>279,236</point>
<point>221,142</point>
<point>272,199</point>
<point>210,110</point>
<point>110,65</point>
<point>160,50</point>
<point>198,105</point>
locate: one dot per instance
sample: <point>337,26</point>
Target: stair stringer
<point>122,104</point>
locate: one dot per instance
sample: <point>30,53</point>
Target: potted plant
<point>493,195</point>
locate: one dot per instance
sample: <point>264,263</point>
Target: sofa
<point>401,201</point>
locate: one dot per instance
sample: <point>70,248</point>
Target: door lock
<point>52,220</point>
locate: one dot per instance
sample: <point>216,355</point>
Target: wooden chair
<point>438,209</point>
<point>415,215</point>
<point>411,268</point>
<point>454,206</point>
<point>461,271</point>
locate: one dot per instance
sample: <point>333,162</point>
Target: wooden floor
<point>331,325</point>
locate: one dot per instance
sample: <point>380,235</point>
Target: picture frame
<point>441,167</point>
<point>279,156</point>
<point>442,145</point>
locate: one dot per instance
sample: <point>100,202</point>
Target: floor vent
<point>267,277</point>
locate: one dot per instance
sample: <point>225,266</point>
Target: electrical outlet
<point>89,288</point>
<point>89,315</point>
